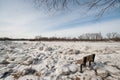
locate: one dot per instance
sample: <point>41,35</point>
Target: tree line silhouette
<point>83,37</point>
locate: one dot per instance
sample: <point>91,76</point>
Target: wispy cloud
<point>103,27</point>
<point>20,19</point>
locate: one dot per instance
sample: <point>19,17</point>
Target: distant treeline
<point>84,37</point>
<point>13,39</point>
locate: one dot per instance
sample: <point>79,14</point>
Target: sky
<point>21,19</point>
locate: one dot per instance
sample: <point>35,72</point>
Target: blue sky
<point>20,18</point>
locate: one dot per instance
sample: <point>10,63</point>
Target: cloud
<point>103,27</point>
<point>21,19</point>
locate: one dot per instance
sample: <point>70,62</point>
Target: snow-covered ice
<point>24,60</point>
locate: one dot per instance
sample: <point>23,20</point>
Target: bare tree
<point>38,37</point>
<point>101,5</point>
<point>113,36</point>
<point>91,36</point>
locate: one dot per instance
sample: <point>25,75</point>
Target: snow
<point>57,60</point>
